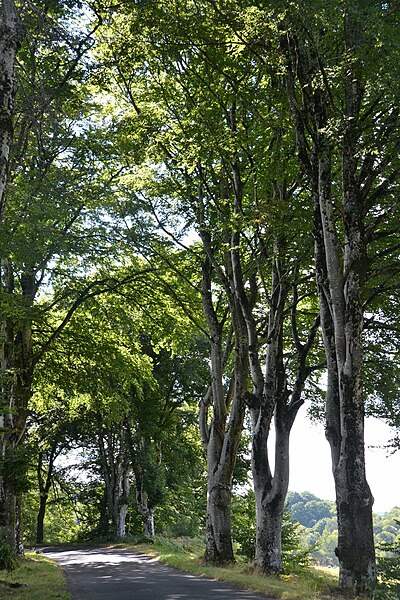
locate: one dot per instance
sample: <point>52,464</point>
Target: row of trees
<point>237,156</point>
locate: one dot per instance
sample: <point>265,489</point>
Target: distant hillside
<point>318,520</point>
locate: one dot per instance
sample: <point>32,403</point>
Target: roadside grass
<point>41,579</point>
<point>184,554</point>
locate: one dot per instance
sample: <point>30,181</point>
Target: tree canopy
<point>198,229</point>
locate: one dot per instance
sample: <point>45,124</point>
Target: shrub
<point>8,558</point>
<point>388,569</point>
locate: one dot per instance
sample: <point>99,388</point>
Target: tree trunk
<point>40,519</point>
<point>11,36</point>
<point>122,496</point>
<point>270,490</point>
<point>340,260</point>
<point>270,495</point>
<point>146,512</point>
<point>44,485</point>
<point>221,435</point>
<point>219,549</point>
<point>343,325</point>
<point>116,469</point>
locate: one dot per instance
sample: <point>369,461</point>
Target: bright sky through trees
<point>309,447</point>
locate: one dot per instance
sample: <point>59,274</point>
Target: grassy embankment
<point>42,579</point>
<point>39,578</point>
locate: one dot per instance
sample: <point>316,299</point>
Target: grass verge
<point>39,578</point>
<point>315,584</point>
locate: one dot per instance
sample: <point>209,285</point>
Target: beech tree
<point>53,232</point>
<point>212,173</point>
<point>11,35</point>
<point>347,129</point>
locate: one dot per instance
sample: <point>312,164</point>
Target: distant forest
<point>319,525</point>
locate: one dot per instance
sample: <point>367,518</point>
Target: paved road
<point>118,574</point>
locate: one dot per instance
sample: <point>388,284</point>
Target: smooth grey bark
<point>146,511</point>
<point>11,36</point>
<point>278,404</point>
<point>271,399</point>
<point>117,468</point>
<point>222,431</point>
<point>341,267</point>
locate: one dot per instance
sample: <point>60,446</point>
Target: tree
<point>51,226</point>
<point>12,33</point>
<point>128,391</point>
<point>347,130</point>
<point>211,169</point>
<point>52,430</point>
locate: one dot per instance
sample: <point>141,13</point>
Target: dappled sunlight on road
<point>120,574</point>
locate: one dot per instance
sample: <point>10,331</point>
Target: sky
<point>310,462</point>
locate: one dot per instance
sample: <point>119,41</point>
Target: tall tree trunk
<point>116,469</point>
<point>270,490</point>
<point>345,401</point>
<point>270,397</point>
<point>270,495</point>
<point>11,35</point>
<point>340,260</point>
<point>221,434</point>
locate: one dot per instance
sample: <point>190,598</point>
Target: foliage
<point>307,509</point>
<point>296,555</point>
<point>8,558</point>
<point>388,567</point>
<point>133,129</point>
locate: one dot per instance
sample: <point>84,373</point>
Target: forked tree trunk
<point>342,320</point>
<point>270,495</point>
<point>270,488</point>
<point>272,399</point>
<point>146,512</point>
<point>116,469</point>
<point>340,260</point>
<point>219,547</point>
<point>221,433</point>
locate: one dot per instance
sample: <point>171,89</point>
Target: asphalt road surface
<point>119,574</point>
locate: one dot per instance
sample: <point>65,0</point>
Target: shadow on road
<point>119,574</point>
